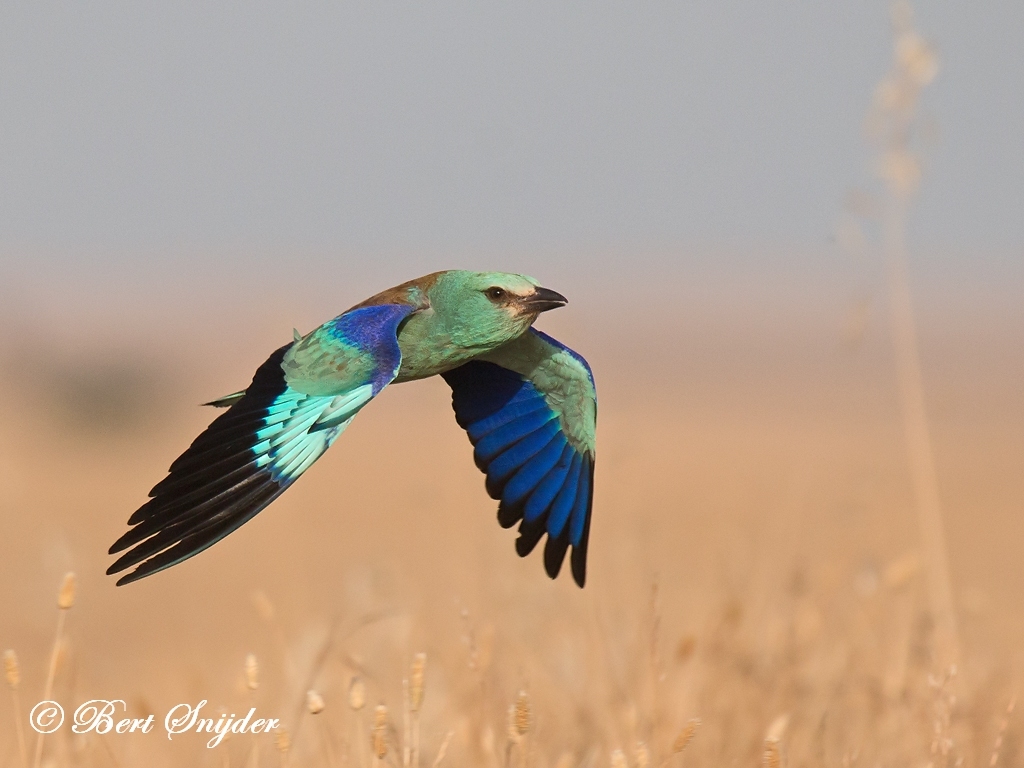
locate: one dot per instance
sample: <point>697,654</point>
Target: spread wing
<point>299,401</point>
<point>530,410</point>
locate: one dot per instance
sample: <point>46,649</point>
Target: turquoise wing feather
<point>530,410</point>
<point>300,400</point>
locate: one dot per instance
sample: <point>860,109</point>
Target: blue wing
<point>530,410</point>
<point>300,400</point>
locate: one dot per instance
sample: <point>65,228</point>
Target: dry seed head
<point>643,755</point>
<point>263,606</point>
<point>380,729</point>
<point>916,58</point>
<point>283,741</point>
<point>901,571</point>
<point>522,714</point>
<point>994,760</point>
<point>685,735</point>
<point>356,694</point>
<point>252,672</point>
<point>685,648</point>
<point>66,596</point>
<point>11,669</point>
<point>419,662</point>
<point>777,729</point>
<point>901,169</point>
<point>892,95</point>
<point>314,702</point>
<point>618,759</point>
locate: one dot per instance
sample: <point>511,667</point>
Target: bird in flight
<point>527,402</point>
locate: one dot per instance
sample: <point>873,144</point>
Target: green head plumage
<point>483,310</point>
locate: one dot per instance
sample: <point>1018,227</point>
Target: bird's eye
<point>495,294</point>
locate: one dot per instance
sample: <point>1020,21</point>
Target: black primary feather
<point>211,489</point>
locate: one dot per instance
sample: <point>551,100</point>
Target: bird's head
<point>488,309</point>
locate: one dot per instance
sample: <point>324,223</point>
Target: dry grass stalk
<point>442,750</point>
<point>283,742</point>
<point>416,689</point>
<point>685,649</point>
<point>945,700</point>
<point>314,706</point>
<point>356,694</point>
<point>519,722</point>
<point>777,729</point>
<point>998,746</point>
<point>685,736</point>
<point>419,664</point>
<point>66,595</point>
<point>654,658</point>
<point>314,702</point>
<point>356,701</point>
<point>252,672</point>
<point>406,725</point>
<point>264,608</point>
<point>772,751</point>
<point>900,572</point>
<point>65,601</point>
<point>379,735</point>
<point>642,755</point>
<point>618,759</point>
<point>892,121</point>
<point>522,717</point>
<point>12,672</point>
<point>251,669</point>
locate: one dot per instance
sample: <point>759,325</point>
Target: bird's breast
<point>422,359</point>
<point>427,349</point>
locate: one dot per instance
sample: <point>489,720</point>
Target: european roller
<point>527,402</point>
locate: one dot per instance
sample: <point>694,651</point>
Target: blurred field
<point>752,560</point>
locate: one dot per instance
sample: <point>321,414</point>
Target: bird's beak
<point>542,300</point>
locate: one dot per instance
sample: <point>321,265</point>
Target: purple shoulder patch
<point>374,330</point>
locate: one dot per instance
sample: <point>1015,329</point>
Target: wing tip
<point>578,565</point>
<point>554,554</point>
<point>130,578</point>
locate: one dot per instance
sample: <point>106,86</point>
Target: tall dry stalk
<point>283,742</point>
<point>65,601</point>
<point>442,750</point>
<point>521,721</point>
<point>1001,735</point>
<point>12,672</point>
<point>892,123</point>
<point>356,701</point>
<point>314,706</point>
<point>252,684</point>
<point>683,739</point>
<point>772,754</point>
<point>416,690</point>
<point>379,735</point>
<point>654,661</point>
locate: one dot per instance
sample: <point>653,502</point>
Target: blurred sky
<point>380,140</point>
